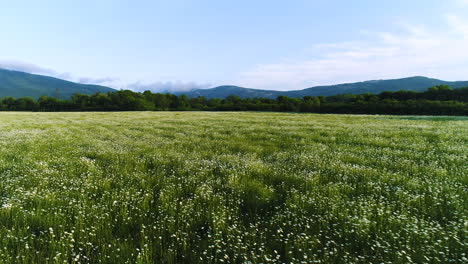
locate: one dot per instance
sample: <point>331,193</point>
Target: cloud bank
<point>413,51</point>
<point>25,67</point>
<point>167,87</point>
<point>35,69</point>
<point>106,80</point>
<point>161,87</point>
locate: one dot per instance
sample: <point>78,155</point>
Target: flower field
<point>210,187</point>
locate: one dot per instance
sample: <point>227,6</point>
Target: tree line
<point>438,100</point>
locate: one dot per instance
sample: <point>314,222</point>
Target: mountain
<point>417,83</point>
<point>226,90</point>
<point>20,84</point>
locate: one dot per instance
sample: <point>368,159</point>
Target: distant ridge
<point>417,83</point>
<point>20,84</point>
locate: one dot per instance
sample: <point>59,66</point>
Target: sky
<point>177,45</point>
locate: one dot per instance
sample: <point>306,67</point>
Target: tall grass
<point>231,188</point>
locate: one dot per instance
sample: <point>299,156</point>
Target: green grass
<point>431,118</point>
<point>192,187</point>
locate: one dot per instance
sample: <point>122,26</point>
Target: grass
<point>431,118</point>
<point>192,187</point>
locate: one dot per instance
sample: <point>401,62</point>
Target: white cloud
<point>25,67</point>
<point>176,86</point>
<point>415,51</point>
<point>462,2</point>
<point>458,24</point>
<point>35,69</point>
<point>106,80</point>
<point>166,87</point>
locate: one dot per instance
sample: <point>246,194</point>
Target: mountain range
<point>417,83</point>
<point>20,84</point>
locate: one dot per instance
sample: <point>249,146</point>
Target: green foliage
<point>439,100</point>
<point>439,88</point>
<point>207,187</point>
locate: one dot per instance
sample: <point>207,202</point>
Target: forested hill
<point>417,84</point>
<point>20,84</point>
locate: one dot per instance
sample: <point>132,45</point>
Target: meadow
<point>249,188</point>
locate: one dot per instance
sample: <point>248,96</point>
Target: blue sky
<point>280,45</point>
